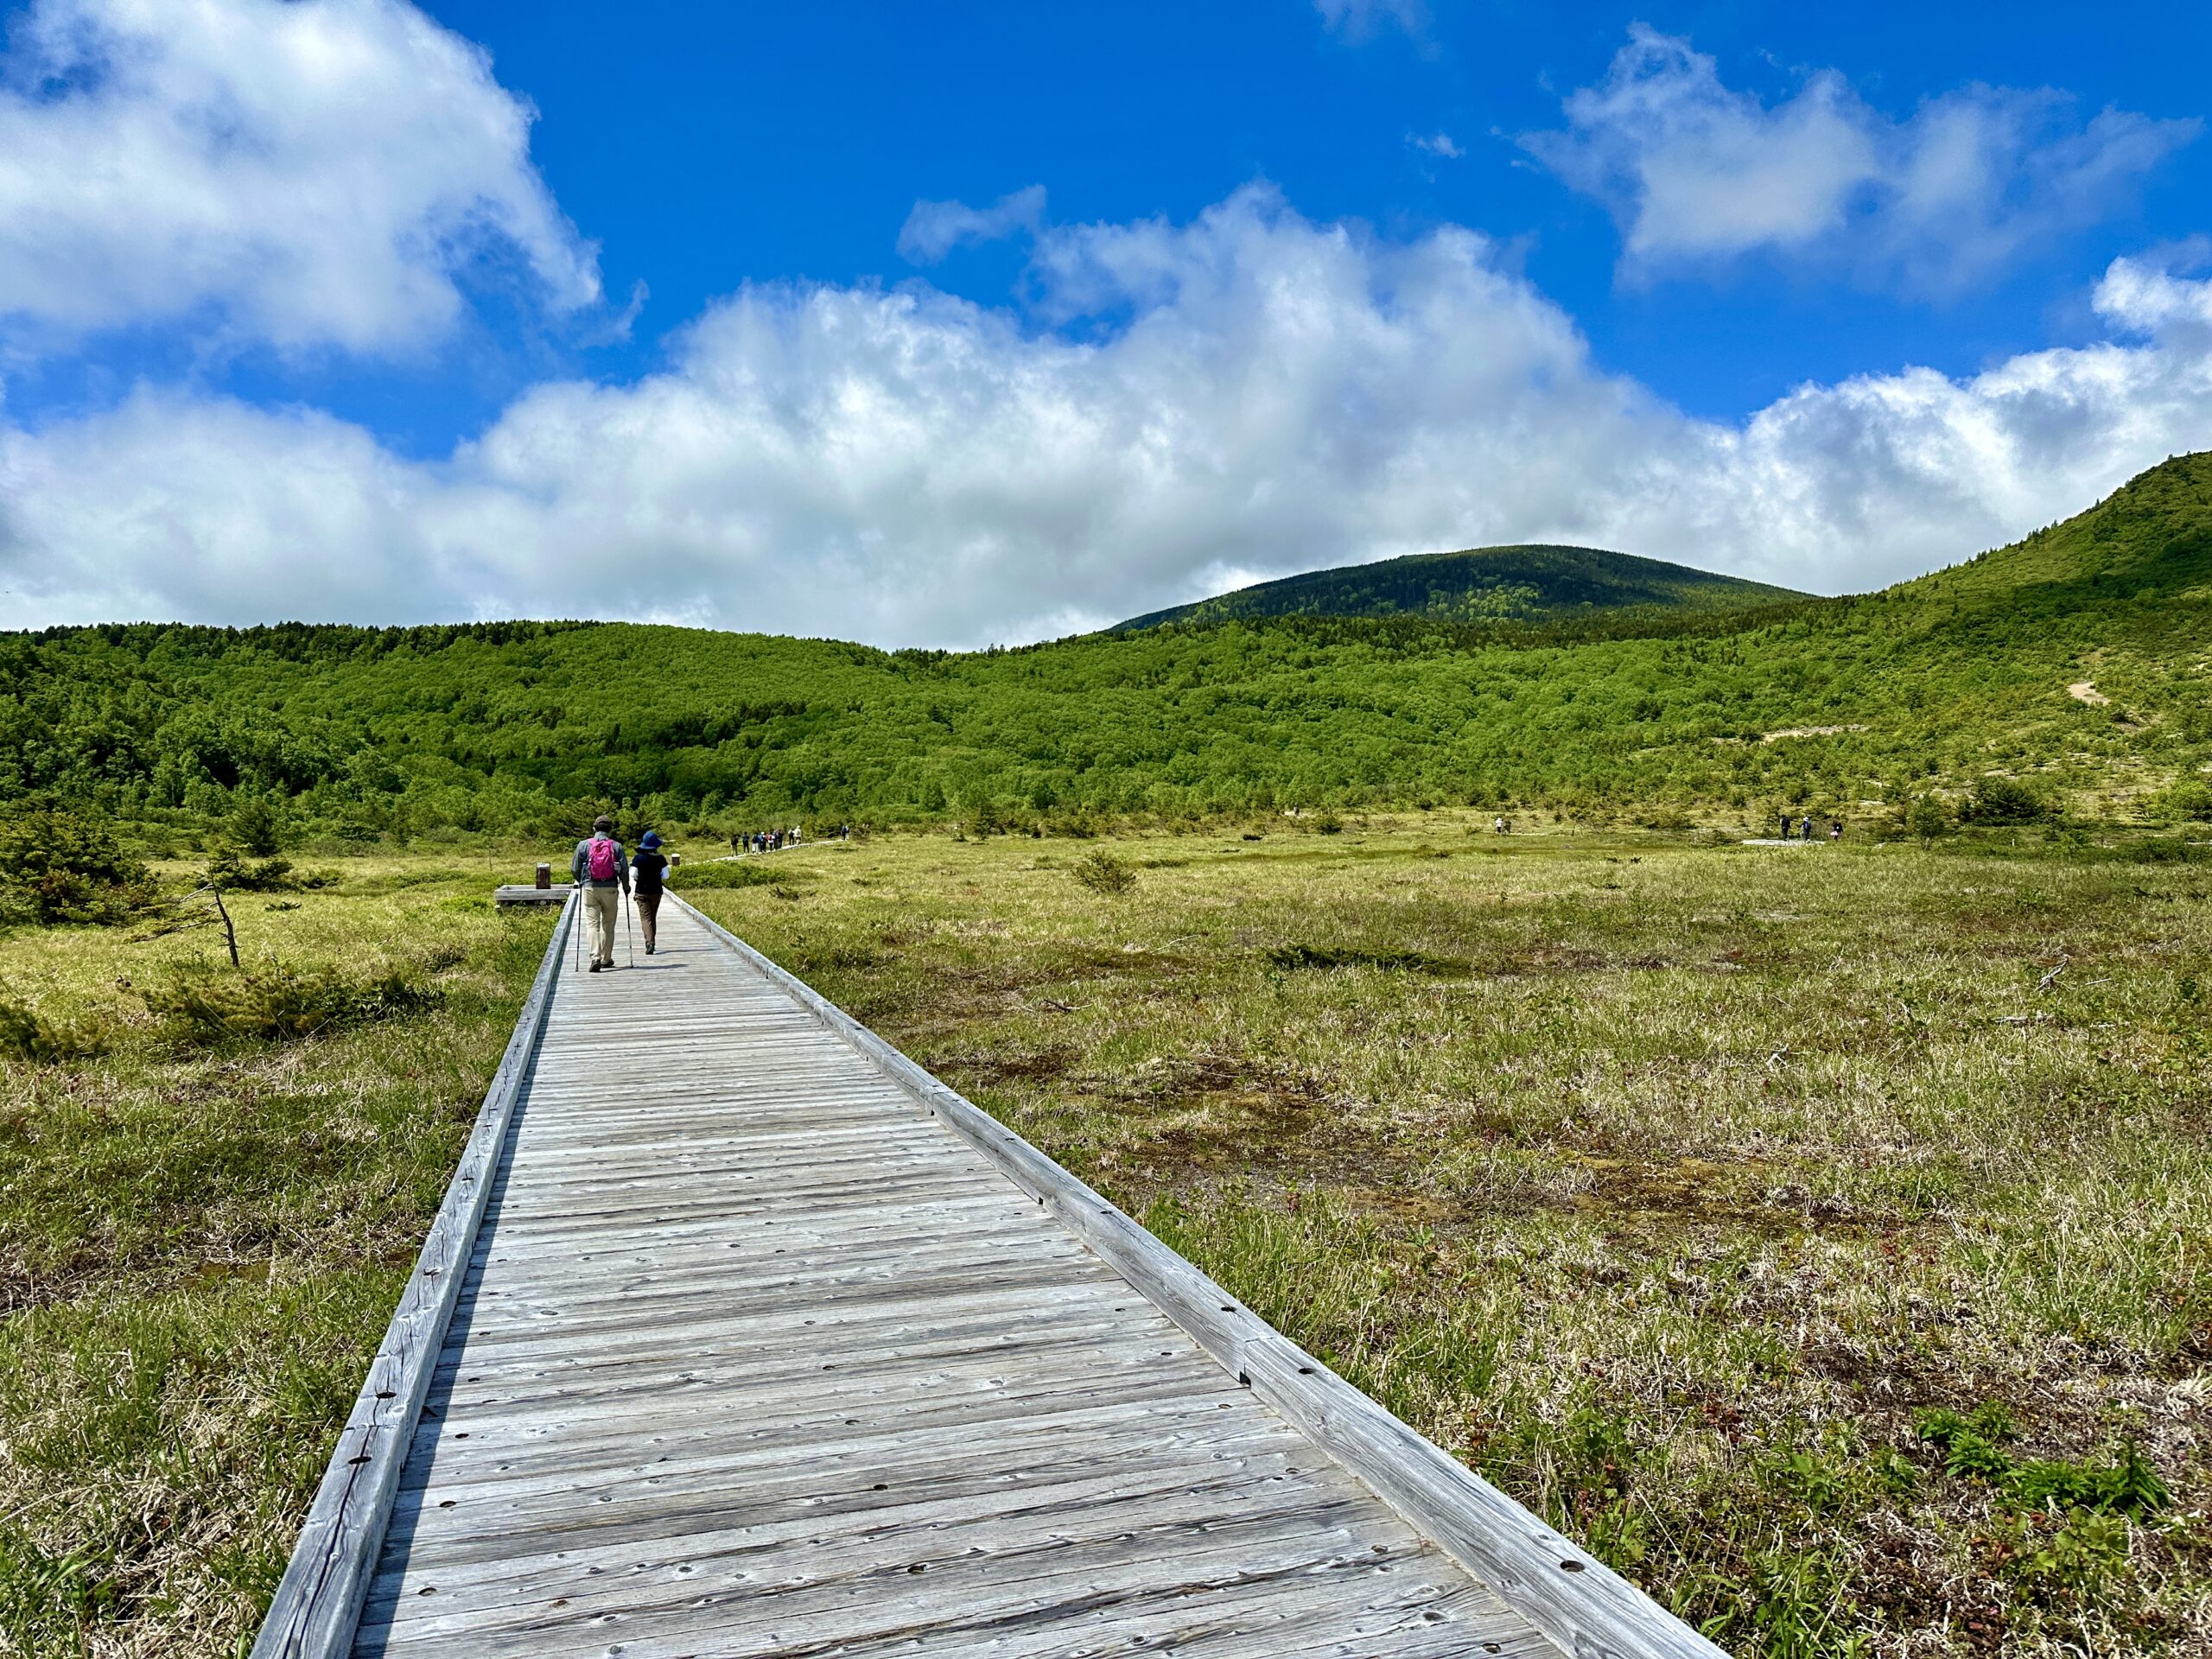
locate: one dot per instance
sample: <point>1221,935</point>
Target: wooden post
<point>545,876</point>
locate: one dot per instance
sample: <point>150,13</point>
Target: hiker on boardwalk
<point>602,874</point>
<point>648,869</point>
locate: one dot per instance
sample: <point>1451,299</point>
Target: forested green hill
<point>1482,584</point>
<point>1824,704</point>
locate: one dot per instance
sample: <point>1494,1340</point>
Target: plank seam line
<point>318,1602</point>
<point>1565,1593</point>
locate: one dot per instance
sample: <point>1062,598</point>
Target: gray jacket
<point>580,866</point>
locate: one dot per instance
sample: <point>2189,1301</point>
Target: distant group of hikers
<point>769,841</point>
<point>604,873</point>
<point>1792,832</point>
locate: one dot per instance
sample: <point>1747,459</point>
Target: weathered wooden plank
<point>318,1601</point>
<point>472,1576</point>
<point>1095,1420</point>
<point>686,1305</point>
<point>1031,1428</point>
<point>922,1237</point>
<point>978,1210</point>
<point>785,1525</point>
<point>560,1383</point>
<point>1421,1608</point>
<point>972,1591</point>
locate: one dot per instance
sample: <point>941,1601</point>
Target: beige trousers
<point>599,910</point>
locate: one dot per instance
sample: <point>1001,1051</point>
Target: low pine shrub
<point>1103,874</point>
<point>1997,801</point>
<point>58,866</point>
<point>210,1007</point>
<point>27,1034</point>
<point>733,872</point>
<point>232,871</point>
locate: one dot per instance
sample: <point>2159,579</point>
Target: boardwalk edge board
<point>318,1603</point>
<point>1568,1595</point>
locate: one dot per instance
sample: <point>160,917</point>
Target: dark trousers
<point>648,913</point>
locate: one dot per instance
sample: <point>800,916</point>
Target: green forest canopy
<point>1922,687</point>
<point>1483,584</point>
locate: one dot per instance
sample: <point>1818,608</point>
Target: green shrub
<point>2074,1561</point>
<point>2003,801</point>
<point>1927,817</point>
<point>1103,873</point>
<point>2190,799</point>
<point>27,1034</point>
<point>2128,1485</point>
<point>232,872</point>
<point>208,1008</point>
<point>255,822</point>
<point>720,872</point>
<point>58,867</point>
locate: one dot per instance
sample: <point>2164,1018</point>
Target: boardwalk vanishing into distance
<point>738,1334</point>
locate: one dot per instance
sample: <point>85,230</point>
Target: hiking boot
<point>649,947</point>
<point>595,966</point>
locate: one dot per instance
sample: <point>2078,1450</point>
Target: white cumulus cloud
<point>1259,393</point>
<point>305,173</point>
<point>1696,172</point>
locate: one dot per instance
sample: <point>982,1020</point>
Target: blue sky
<point>953,324</point>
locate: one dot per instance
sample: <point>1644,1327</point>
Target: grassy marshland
<point>1682,1189</point>
<point>1821,1233</point>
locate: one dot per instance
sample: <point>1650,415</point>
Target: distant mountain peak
<point>1523,582</point>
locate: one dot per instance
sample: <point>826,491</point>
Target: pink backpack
<point>601,857</point>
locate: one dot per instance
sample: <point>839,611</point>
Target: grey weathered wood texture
<point>318,1600</point>
<point>769,1343</point>
<point>508,894</point>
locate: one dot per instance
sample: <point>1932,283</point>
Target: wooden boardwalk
<point>764,1348</point>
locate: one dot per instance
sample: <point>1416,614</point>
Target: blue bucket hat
<point>648,841</point>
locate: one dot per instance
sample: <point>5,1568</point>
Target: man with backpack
<point>601,874</point>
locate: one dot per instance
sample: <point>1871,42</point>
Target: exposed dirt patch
<point>990,1071</point>
<point>1641,1192</point>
